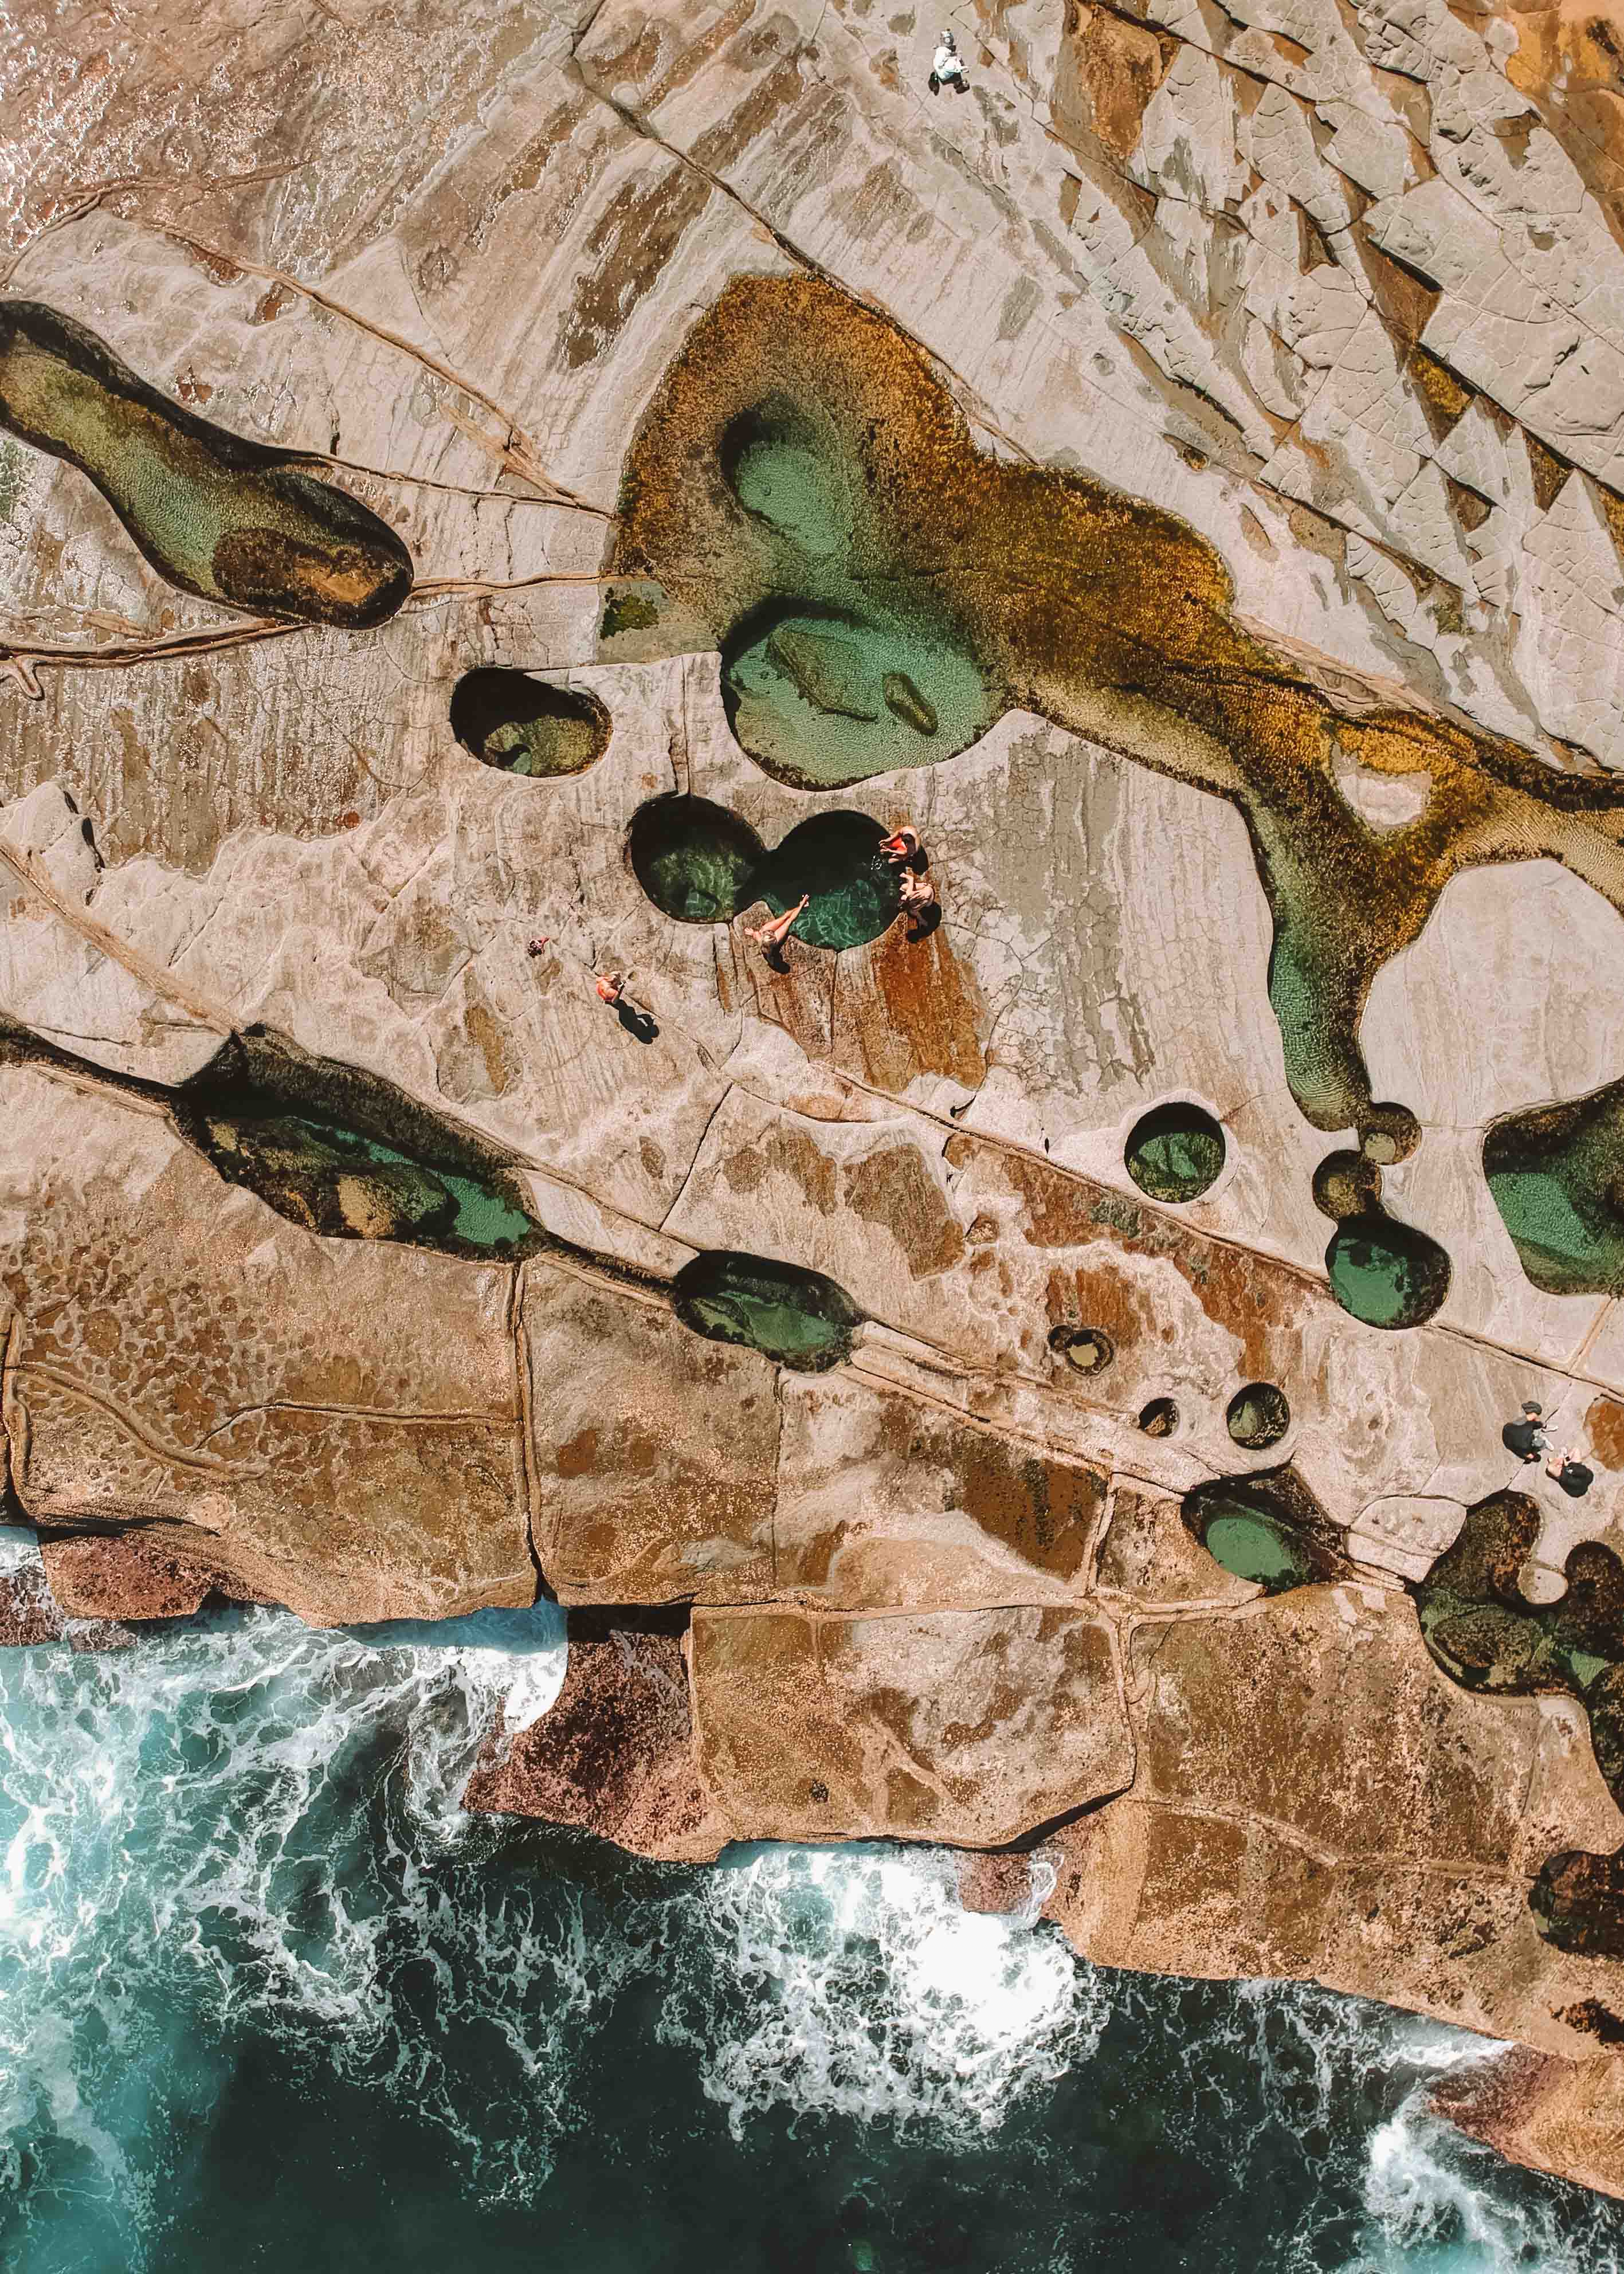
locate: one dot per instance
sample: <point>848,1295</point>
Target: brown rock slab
<point>1537,2109</point>
<point>614,1754</point>
<point>335,1421</point>
<point>654,1451</point>
<point>970,1726</point>
<point>1149,1554</point>
<point>886,1502</point>
<point>129,1575</point>
<point>993,1884</point>
<point>29,1613</point>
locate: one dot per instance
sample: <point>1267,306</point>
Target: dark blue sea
<point>269,1998</point>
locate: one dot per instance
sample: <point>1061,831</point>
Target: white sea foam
<point>193,1803</point>
<point>857,1984</point>
<point>1438,2203</point>
<point>244,1824</point>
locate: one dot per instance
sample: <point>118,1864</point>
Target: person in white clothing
<point>946,66</point>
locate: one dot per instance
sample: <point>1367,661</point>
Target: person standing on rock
<point>947,66</point>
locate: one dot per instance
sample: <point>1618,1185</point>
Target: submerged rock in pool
<point>830,673</point>
<point>798,1317</point>
<point>225,518</point>
<point>904,701</point>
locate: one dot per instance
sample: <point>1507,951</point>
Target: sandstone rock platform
<point>1184,480</point>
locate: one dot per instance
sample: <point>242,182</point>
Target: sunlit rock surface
<point>1020,1381</point>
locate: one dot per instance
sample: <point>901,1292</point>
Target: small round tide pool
<point>1176,1152</point>
<point>1257,1416</point>
<point>694,859</point>
<point>836,857</point>
<point>525,726</point>
<point>1089,1350</point>
<point>800,1318</point>
<point>1384,1273</point>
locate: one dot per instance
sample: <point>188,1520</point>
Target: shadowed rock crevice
<point>227,519</point>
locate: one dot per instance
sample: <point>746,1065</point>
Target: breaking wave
<point>237,1886</point>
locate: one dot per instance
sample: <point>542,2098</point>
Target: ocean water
<point>268,1997</point>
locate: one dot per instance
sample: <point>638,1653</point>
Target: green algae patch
<point>1254,1546</point>
<point>1257,1416</point>
<point>219,517</point>
<point>525,726</point>
<point>1269,1528</point>
<point>1175,1152</point>
<point>696,861</point>
<point>1557,1176</point>
<point>836,858</point>
<point>344,1184</point>
<point>1386,1273</point>
<point>795,1316</point>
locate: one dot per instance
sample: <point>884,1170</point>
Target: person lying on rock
<point>947,67</point>
<point>771,936</point>
<point>905,851</point>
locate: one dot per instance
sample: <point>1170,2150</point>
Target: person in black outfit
<point>1526,1438</point>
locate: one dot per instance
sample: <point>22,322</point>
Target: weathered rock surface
<point>968,1726</point>
<point>257,1401</point>
<point>1345,292</point>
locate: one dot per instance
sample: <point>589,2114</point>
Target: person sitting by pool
<point>905,851</point>
<point>1570,1473</point>
<point>917,896</point>
<point>771,936</point>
